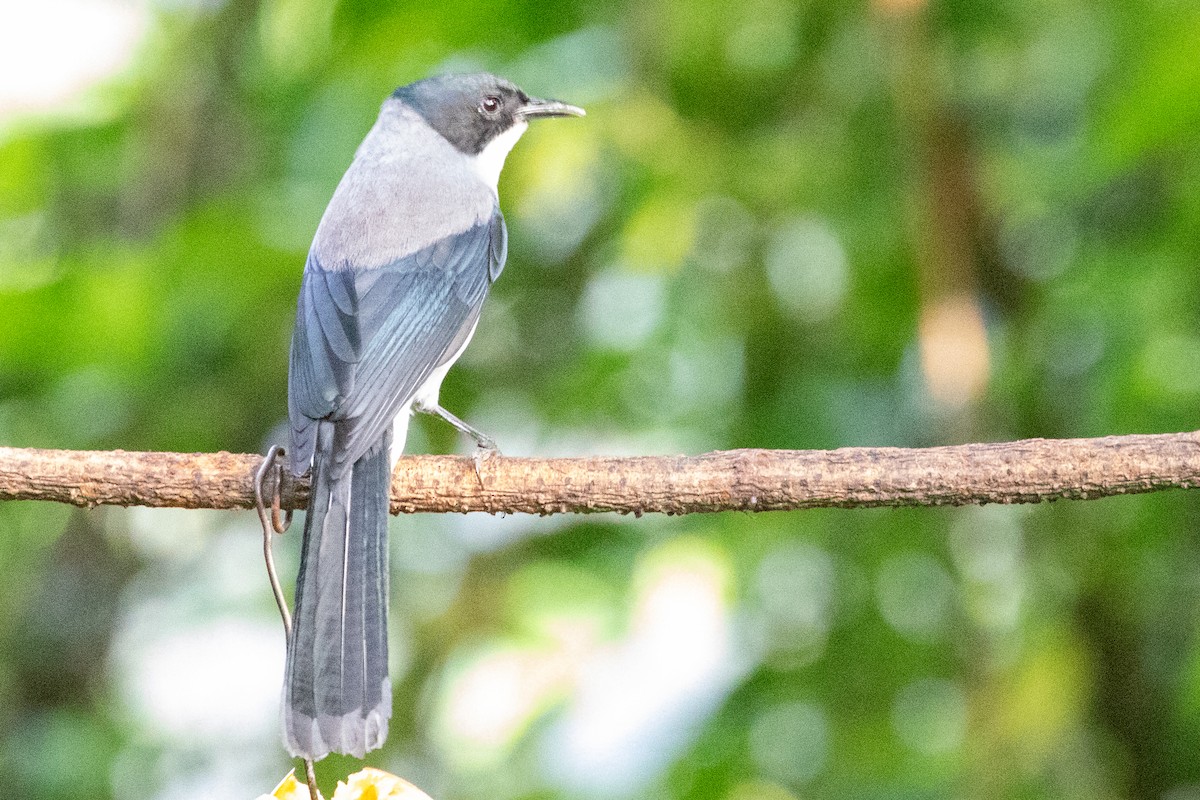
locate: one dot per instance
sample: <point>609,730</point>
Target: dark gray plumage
<point>398,271</point>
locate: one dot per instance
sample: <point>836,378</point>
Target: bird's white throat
<point>489,162</point>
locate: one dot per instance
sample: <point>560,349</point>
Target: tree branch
<point>1029,471</point>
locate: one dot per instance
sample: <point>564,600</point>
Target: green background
<point>781,224</point>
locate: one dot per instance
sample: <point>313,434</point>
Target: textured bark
<point>1029,471</point>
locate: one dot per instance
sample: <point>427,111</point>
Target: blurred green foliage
<point>782,224</point>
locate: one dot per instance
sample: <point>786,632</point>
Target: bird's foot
<point>485,451</point>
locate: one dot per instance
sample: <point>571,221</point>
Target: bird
<point>399,268</point>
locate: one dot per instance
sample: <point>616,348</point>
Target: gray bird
<point>397,274</point>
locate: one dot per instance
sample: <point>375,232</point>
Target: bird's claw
<point>485,452</point>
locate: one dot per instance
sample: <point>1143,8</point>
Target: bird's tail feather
<point>337,696</point>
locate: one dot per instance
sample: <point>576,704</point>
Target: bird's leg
<point>485,445</point>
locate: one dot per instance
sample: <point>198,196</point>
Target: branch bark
<point>1028,471</point>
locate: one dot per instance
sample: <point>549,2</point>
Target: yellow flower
<point>367,784</point>
<point>288,789</point>
<point>375,784</point>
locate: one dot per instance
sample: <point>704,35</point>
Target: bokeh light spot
<point>930,715</point>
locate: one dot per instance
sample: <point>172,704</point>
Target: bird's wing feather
<point>366,339</point>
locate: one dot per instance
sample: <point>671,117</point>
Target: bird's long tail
<point>337,697</point>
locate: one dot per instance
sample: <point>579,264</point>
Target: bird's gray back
<point>406,189</point>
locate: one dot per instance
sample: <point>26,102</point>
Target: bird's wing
<point>366,339</point>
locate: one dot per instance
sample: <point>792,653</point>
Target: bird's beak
<point>548,108</point>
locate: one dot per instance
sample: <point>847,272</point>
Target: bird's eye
<point>490,104</point>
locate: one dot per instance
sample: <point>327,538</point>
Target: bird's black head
<point>469,111</point>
